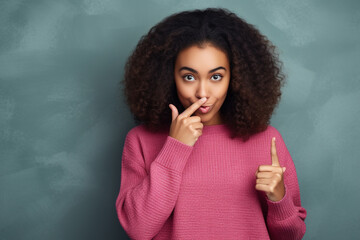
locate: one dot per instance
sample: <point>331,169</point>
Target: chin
<point>204,118</point>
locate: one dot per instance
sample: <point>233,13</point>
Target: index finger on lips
<point>190,110</point>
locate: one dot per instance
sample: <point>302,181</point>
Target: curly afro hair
<point>256,77</point>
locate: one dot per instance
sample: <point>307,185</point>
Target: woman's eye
<point>186,77</point>
<point>217,77</point>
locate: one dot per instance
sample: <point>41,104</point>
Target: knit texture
<point>170,190</point>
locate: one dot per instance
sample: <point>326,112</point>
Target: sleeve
<point>146,200</point>
<point>286,218</point>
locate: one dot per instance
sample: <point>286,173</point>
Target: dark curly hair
<point>256,77</point>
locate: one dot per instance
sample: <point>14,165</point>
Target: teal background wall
<point>63,119</point>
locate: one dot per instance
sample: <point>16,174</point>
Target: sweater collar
<point>215,129</point>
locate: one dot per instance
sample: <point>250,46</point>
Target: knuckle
<point>184,121</point>
<point>180,116</point>
<point>278,175</point>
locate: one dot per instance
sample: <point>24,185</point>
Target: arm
<point>285,218</point>
<point>146,200</point>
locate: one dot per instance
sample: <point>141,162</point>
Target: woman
<point>210,169</point>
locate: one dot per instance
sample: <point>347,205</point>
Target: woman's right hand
<point>184,128</point>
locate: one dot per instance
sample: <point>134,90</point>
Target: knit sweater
<point>170,190</point>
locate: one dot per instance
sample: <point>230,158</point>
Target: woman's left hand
<point>269,178</point>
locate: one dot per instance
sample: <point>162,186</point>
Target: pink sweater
<point>170,190</point>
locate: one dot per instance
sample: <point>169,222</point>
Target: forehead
<point>207,56</point>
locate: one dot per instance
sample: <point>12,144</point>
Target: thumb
<point>174,111</point>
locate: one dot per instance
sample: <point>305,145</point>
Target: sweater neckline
<point>215,129</point>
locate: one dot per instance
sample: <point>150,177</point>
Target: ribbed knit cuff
<point>174,154</point>
<point>281,209</point>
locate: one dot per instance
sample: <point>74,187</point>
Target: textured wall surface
<point>63,120</point>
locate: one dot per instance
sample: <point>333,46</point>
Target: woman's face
<point>203,72</point>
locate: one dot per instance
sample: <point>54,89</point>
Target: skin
<point>270,178</point>
<point>185,128</point>
<point>204,73</point>
<point>192,86</point>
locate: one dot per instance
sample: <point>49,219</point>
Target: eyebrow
<point>194,71</point>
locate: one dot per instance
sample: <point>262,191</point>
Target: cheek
<point>183,96</point>
<point>183,91</point>
<point>224,89</point>
<point>221,92</point>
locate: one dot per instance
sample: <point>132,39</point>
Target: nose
<point>202,90</point>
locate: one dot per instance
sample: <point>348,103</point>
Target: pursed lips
<point>206,106</point>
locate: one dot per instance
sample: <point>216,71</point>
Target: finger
<point>274,156</point>
<point>174,111</point>
<point>193,119</point>
<point>265,181</point>
<point>265,175</point>
<point>262,187</point>
<point>198,125</point>
<point>196,132</point>
<point>190,110</point>
<point>270,168</point>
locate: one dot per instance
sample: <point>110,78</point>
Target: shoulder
<point>280,143</point>
<point>136,131</point>
<point>266,136</point>
<point>144,144</point>
<point>268,133</point>
<point>141,130</point>
<point>140,134</point>
<point>272,130</point>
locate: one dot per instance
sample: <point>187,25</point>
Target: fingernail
<point>203,99</point>
<point>274,138</point>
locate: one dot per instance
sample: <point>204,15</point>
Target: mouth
<point>204,109</point>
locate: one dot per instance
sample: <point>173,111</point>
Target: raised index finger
<point>190,110</point>
<point>274,156</point>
